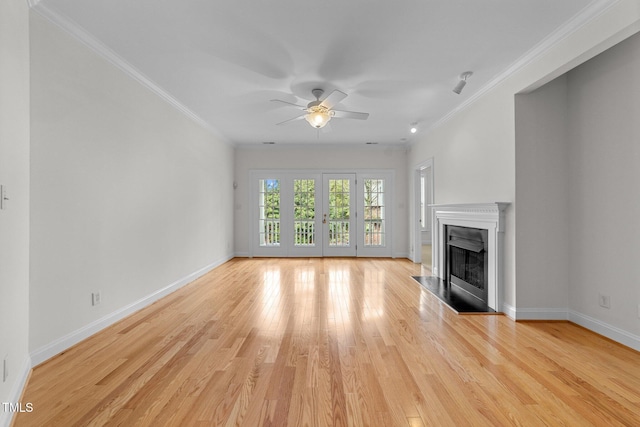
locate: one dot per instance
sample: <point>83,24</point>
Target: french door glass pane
<point>304,212</point>
<point>374,213</point>
<point>269,218</point>
<point>339,198</point>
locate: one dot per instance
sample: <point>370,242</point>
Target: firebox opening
<point>466,260</point>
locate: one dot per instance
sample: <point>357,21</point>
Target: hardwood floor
<point>331,342</point>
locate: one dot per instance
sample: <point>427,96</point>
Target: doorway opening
<point>423,230</point>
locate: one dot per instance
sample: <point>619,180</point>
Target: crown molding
<point>585,16</point>
<point>84,37</point>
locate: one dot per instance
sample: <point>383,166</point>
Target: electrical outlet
<point>5,369</point>
<point>604,301</point>
<point>96,298</point>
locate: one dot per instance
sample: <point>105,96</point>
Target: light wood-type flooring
<point>331,342</point>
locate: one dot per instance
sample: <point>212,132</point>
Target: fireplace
<point>489,219</point>
<point>466,260</point>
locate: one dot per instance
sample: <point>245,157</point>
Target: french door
<point>307,214</point>
<point>288,214</point>
<point>339,214</point>
<point>374,214</point>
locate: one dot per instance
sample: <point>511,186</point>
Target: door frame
<point>426,167</point>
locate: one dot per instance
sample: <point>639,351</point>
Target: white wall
<point>14,220</point>
<point>474,162</point>
<point>128,196</point>
<point>542,197</point>
<point>604,180</point>
<point>321,157</point>
<point>474,150</point>
<point>577,181</point>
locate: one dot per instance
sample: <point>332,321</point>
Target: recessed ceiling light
<point>414,130</point>
<point>414,127</point>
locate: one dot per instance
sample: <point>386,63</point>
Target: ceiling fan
<point>318,113</point>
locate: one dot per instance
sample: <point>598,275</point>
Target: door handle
<point>324,219</point>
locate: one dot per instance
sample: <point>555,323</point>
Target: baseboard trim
<point>598,326</point>
<point>509,311</point>
<point>63,343</point>
<point>15,395</point>
<point>541,314</point>
<point>612,332</point>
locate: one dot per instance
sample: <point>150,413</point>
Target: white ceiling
<point>224,60</point>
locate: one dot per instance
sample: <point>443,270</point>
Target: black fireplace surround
<point>466,260</point>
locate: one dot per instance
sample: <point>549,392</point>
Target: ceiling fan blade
<point>304,107</point>
<point>350,115</point>
<point>334,98</point>
<point>301,116</point>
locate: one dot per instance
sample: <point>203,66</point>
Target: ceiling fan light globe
<point>318,118</point>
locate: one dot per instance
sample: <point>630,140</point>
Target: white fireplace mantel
<point>486,216</point>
